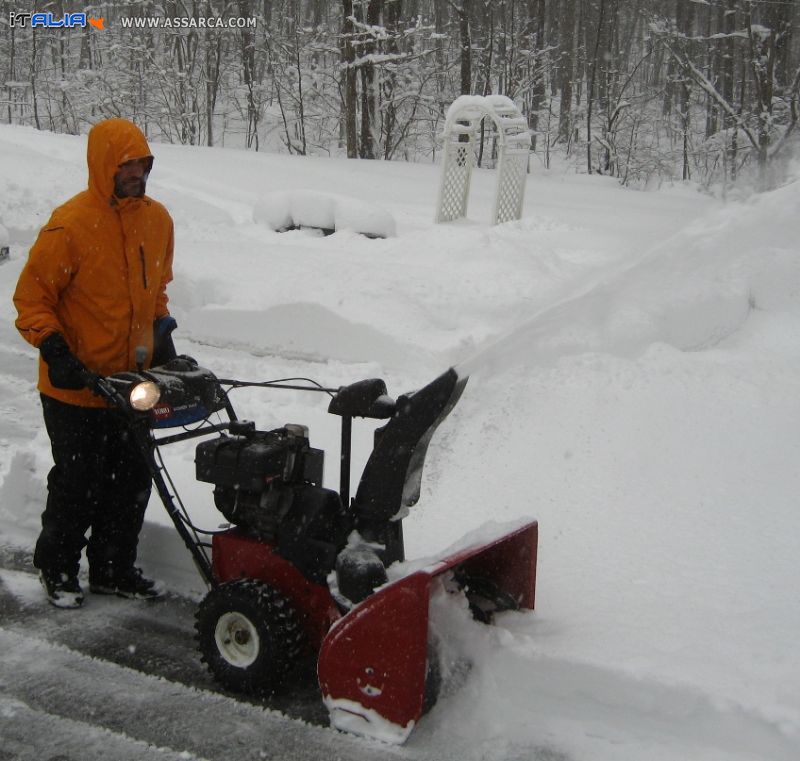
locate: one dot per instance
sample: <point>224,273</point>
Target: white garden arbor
<point>460,131</point>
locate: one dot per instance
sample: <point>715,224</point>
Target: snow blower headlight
<point>144,396</point>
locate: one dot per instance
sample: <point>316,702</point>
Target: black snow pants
<point>99,481</point>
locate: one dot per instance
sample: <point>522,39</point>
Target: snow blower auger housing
<point>302,568</point>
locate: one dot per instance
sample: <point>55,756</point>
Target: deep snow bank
<point>651,425</point>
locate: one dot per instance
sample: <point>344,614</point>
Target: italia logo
<point>48,21</point>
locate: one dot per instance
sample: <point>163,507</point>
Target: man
<point>92,291</point>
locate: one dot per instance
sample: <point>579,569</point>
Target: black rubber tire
<point>249,636</point>
<point>433,678</point>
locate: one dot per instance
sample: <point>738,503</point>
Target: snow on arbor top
<point>510,123</point>
<point>498,104</point>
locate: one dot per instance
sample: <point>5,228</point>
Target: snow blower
<point>302,568</point>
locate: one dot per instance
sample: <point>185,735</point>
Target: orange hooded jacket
<point>98,271</point>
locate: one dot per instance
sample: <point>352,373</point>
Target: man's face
<point>130,180</point>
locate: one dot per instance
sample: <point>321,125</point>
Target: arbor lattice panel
<point>463,120</point>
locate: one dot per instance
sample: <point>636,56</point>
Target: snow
<point>481,104</point>
<point>350,716</point>
<point>24,586</point>
<point>634,363</point>
<point>323,211</point>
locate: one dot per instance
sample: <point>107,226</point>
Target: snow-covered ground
<point>634,363</point>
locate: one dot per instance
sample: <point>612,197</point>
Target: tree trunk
<point>762,62</point>
<point>593,77</point>
<point>392,14</point>
<point>370,130</point>
<point>439,27</point>
<point>566,69</point>
<point>780,20</point>
<point>33,83</point>
<point>213,54</point>
<point>465,37</point>
<point>350,86</point>
<point>686,16</point>
<point>538,86</point>
<point>727,83</point>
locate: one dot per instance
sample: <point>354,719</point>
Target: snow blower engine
<point>269,484</point>
<point>303,568</point>
<point>253,473</point>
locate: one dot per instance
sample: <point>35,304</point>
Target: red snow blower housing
<point>302,567</point>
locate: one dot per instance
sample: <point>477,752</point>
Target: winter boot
<point>129,583</point>
<point>62,590</point>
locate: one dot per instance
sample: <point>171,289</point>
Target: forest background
<point>641,90</point>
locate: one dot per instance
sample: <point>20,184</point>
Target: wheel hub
<point>237,639</point>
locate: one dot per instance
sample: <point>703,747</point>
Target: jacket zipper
<point>144,269</point>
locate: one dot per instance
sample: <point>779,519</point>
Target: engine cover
<point>259,459</point>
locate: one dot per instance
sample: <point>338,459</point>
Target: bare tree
<point>349,72</point>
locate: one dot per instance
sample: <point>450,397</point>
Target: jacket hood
<point>111,143</point>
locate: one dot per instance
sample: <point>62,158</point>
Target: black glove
<point>64,369</point>
<point>163,347</point>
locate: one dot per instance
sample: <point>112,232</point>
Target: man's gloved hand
<point>64,369</point>
<point>163,347</point>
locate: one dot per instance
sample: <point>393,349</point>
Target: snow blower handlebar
<point>181,393</point>
<point>278,384</point>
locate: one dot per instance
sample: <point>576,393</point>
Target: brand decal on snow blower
<point>162,411</point>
